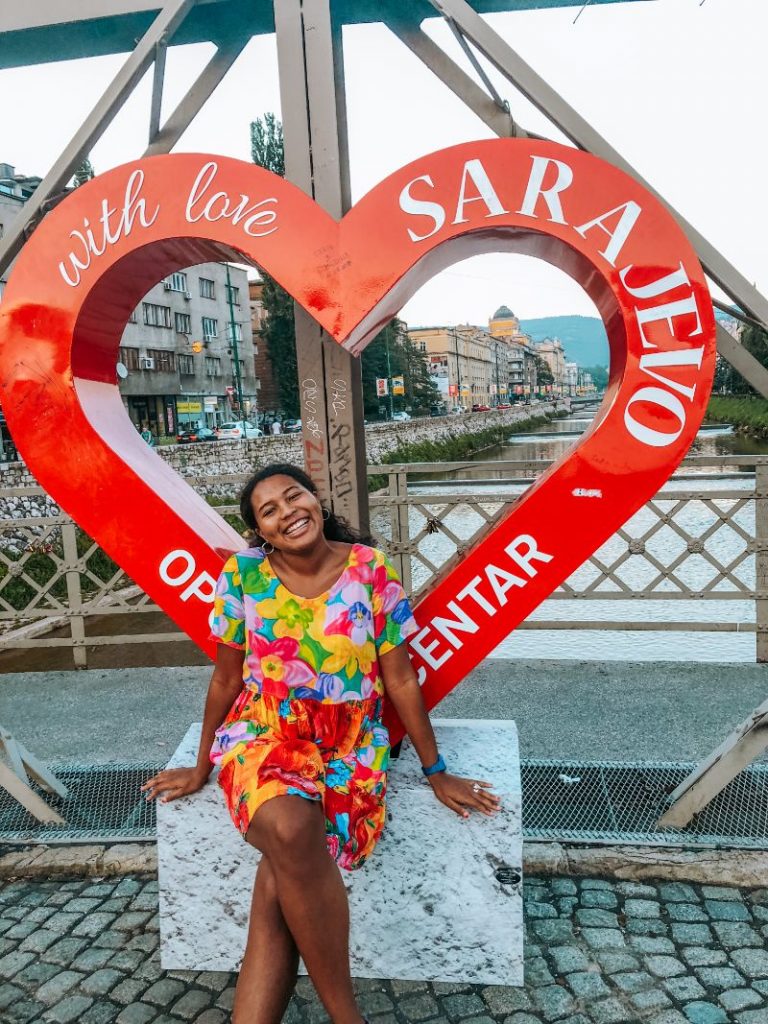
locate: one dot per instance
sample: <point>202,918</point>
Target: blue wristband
<point>438,766</point>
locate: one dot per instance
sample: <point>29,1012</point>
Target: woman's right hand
<point>174,782</point>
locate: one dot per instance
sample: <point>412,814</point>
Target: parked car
<point>481,408</point>
<point>237,431</point>
<point>292,427</point>
<point>401,417</point>
<point>502,406</point>
<point>192,434</point>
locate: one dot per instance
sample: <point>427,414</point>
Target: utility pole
<point>235,353</point>
<point>455,334</point>
<point>389,374</point>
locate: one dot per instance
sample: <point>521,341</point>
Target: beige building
<point>552,352</point>
<point>521,354</point>
<point>473,366</point>
<point>462,362</point>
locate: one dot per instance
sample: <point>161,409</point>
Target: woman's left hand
<point>463,795</point>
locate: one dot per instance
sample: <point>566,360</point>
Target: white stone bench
<point>439,900</point>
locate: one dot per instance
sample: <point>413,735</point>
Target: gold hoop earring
<point>264,547</point>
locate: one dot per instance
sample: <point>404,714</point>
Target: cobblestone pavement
<point>598,952</point>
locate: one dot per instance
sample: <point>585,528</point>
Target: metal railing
<point>703,538</point>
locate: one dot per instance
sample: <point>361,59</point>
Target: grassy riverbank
<point>748,415</point>
<point>459,446</point>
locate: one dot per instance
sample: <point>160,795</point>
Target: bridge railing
<point>703,538</point>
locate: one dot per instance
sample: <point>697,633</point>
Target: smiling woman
<point>311,623</point>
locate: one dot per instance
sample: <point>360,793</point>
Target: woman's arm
<point>402,688</point>
<point>226,683</point>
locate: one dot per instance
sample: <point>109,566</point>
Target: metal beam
<point>508,62</point>
<point>51,13</point>
<point>196,97</point>
<point>745,743</point>
<point>498,119</point>
<point>164,25</point>
<point>310,62</point>
<point>158,81</point>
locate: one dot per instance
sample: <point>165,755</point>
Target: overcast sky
<point>677,86</point>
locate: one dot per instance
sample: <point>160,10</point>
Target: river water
<point>550,442</point>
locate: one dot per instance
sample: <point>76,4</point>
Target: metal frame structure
<point>14,779</point>
<point>54,578</point>
<point>312,89</point>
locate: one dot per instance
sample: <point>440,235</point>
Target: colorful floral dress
<point>308,721</point>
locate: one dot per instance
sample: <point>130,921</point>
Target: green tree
<point>83,173</point>
<point>267,146</point>
<point>729,381</point>
<point>599,375</point>
<point>393,350</point>
<point>544,375</point>
<point>279,327</point>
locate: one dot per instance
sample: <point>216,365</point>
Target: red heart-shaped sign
<point>97,254</point>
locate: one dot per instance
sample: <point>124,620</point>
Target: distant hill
<point>583,337</point>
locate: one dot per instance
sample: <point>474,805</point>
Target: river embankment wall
<point>204,464</point>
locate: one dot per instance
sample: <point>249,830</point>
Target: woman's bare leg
<point>291,831</point>
<point>268,973</point>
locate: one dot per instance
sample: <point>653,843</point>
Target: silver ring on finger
<point>475,787</point>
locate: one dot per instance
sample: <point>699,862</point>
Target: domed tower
<point>503,323</point>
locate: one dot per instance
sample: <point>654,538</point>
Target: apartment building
<point>474,366</point>
<point>461,362</point>
<point>184,348</point>
<point>185,344</point>
<point>15,190</point>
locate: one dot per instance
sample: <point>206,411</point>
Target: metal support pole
<point>312,96</point>
<point>161,29</point>
<point>761,561</point>
<point>455,334</point>
<point>158,81</point>
<point>389,379</point>
<point>745,743</point>
<point>400,527</point>
<point>74,594</point>
<point>237,376</point>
